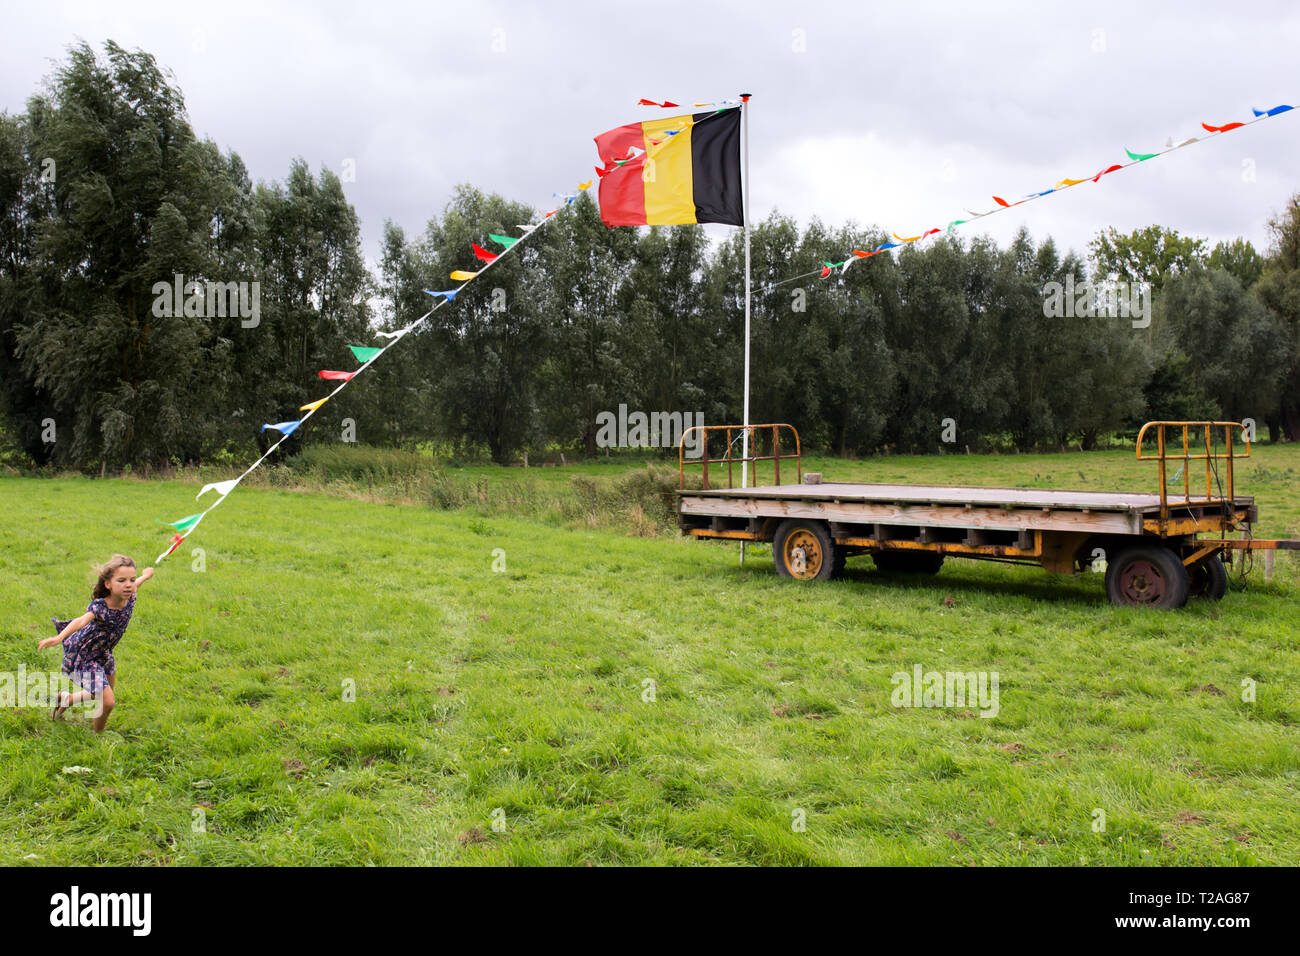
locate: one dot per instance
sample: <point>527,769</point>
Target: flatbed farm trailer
<point>1159,549</point>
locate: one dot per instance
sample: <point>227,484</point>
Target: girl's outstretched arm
<point>73,627</point>
<point>145,575</point>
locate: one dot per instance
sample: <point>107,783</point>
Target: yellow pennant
<point>1070,182</point>
<point>462,276</point>
<point>312,406</point>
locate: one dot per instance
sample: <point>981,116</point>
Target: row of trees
<point>105,192</point>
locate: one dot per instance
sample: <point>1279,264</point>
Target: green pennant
<point>184,524</point>
<point>506,241</point>
<point>1139,157</point>
<point>364,353</point>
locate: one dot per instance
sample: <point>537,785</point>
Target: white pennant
<point>223,488</point>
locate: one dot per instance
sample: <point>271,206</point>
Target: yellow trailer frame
<point>814,526</point>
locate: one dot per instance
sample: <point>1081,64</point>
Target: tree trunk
<point>1291,423</point>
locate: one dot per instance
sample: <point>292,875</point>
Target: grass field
<point>611,697</point>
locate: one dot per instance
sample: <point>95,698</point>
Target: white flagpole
<point>744,464</point>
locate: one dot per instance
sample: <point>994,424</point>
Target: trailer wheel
<point>1147,576</point>
<point>1209,579</point>
<point>908,562</point>
<point>803,550</point>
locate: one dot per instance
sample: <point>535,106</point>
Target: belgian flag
<point>672,171</point>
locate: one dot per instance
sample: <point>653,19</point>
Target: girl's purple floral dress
<point>88,654</point>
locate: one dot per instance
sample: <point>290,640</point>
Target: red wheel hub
<point>1142,583</point>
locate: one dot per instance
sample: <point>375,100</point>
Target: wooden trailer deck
<point>1011,509</point>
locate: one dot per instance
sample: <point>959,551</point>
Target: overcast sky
<point>897,114</point>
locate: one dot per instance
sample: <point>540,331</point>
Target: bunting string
<point>1134,158</point>
<point>367,355</point>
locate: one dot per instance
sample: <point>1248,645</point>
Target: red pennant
<point>826,270</point>
<point>666,104</point>
<point>176,540</point>
<point>929,232</point>
<point>1222,129</point>
<point>1000,201</point>
<point>482,253</point>
<point>863,255</point>
<point>337,376</point>
<point>1109,169</point>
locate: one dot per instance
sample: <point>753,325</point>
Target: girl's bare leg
<point>67,700</point>
<point>107,703</point>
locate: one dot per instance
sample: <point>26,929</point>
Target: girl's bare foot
<point>61,706</point>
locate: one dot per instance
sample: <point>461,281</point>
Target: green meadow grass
<point>612,698</point>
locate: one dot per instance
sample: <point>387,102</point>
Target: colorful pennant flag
<point>312,406</point>
<point>223,488</point>
<point>176,540</point>
<point>666,104</point>
<point>506,241</point>
<point>335,376</point>
<point>448,295</point>
<point>364,353</point>
<point>184,524</point>
<point>696,180</point>
<point>460,275</point>
<point>397,334</point>
<point>482,253</point>
<point>285,427</point>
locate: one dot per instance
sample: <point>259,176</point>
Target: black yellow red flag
<point>672,171</point>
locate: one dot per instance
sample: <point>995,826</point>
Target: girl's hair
<point>105,571</point>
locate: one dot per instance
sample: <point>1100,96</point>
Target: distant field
<point>523,697</point>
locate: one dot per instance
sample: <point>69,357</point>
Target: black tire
<point>803,549</point>
<point>1209,579</point>
<point>1147,576</point>
<point>908,562</point>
